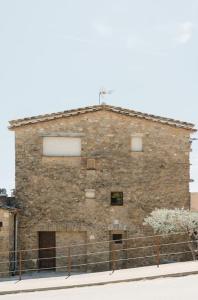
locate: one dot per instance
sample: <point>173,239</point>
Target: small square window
<point>136,144</point>
<point>117,238</point>
<point>116,198</point>
<point>1,224</point>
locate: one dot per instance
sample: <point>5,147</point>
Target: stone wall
<point>52,191</point>
<point>77,252</point>
<point>6,241</point>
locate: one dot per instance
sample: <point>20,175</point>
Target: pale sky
<point>57,54</point>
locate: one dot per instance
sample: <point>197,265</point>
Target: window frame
<point>122,199</point>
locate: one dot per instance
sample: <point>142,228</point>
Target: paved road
<point>182,288</point>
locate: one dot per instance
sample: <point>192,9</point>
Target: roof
<point>127,112</point>
<point>9,208</point>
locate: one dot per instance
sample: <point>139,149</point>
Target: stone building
<point>8,239</point>
<point>92,174</point>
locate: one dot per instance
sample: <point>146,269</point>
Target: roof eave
<point>14,124</point>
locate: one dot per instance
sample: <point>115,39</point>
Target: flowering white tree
<point>165,221</point>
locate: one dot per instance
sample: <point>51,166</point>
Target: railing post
<point>157,239</point>
<point>126,250</point>
<point>113,258</point>
<point>20,265</point>
<point>69,261</point>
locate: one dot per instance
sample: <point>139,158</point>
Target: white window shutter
<point>136,144</point>
<point>61,146</point>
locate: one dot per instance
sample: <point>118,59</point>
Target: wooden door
<point>47,250</point>
<point>118,246</point>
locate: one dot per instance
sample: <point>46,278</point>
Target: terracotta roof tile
<point>68,113</point>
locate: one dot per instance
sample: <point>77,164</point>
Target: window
<point>117,198</point>
<point>1,224</point>
<point>61,146</point>
<point>136,144</point>
<point>117,238</point>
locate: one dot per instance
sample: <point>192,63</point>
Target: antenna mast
<point>103,92</point>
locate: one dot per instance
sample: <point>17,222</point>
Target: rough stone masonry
<point>61,194</point>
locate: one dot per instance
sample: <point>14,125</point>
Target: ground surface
<point>57,281</point>
<point>182,288</point>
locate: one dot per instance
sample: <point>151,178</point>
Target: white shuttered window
<point>61,146</point>
<point>136,144</point>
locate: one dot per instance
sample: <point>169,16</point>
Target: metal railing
<point>115,257</point>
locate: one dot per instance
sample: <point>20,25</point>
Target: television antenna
<point>103,92</point>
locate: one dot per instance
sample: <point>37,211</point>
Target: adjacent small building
<point>194,201</point>
<point>8,234</point>
<point>93,174</point>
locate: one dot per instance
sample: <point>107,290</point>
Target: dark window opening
<point>117,238</point>
<point>117,198</point>
<point>1,224</point>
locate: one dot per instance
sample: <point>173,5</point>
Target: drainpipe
<point>15,242</point>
